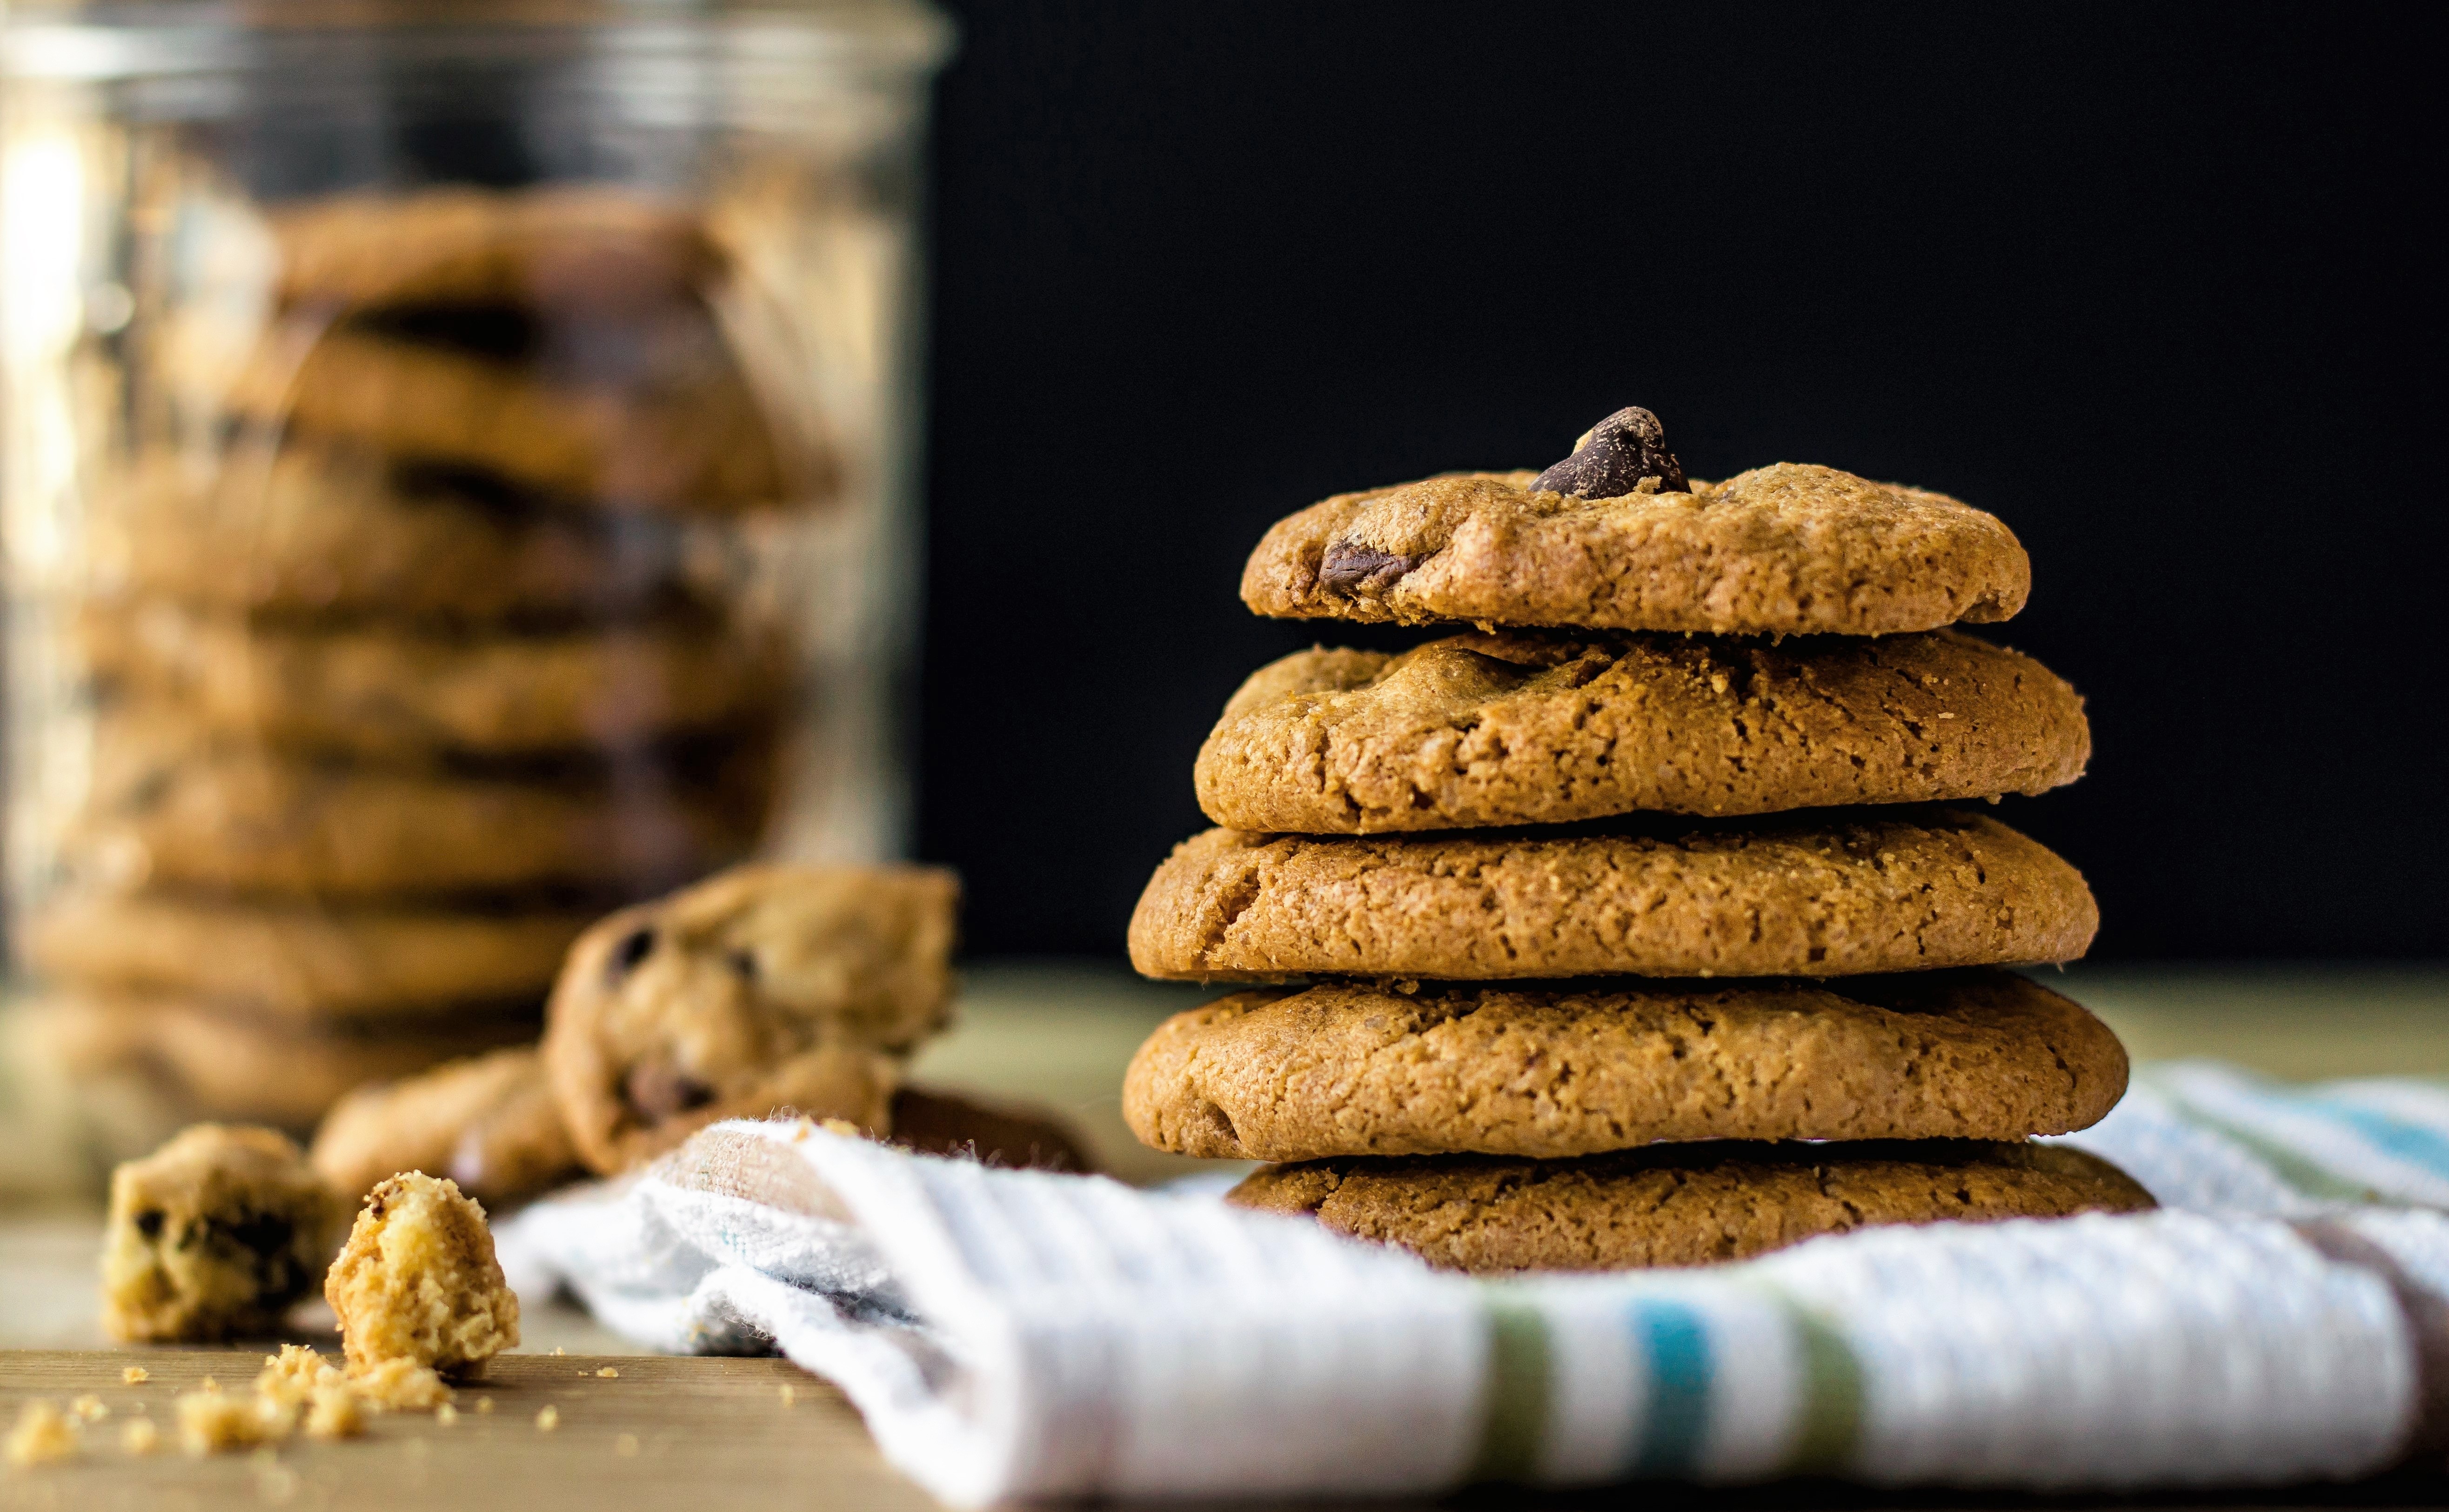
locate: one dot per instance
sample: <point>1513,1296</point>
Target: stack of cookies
<point>1634,921</point>
<point>415,639</point>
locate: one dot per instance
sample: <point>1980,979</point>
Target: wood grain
<point>665,1433</point>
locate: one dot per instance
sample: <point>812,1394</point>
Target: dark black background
<point>2156,285</point>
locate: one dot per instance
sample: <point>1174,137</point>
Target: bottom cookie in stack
<point>1505,1127</point>
<point>1681,1204</point>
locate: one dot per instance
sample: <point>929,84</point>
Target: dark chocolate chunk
<point>1351,570</point>
<point>634,946</point>
<point>264,1232</point>
<point>661,1091</point>
<point>148,1222</point>
<point>1621,450</point>
<point>742,964</point>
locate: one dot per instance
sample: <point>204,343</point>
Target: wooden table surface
<point>715,1433</point>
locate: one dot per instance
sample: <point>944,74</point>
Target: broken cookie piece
<point>417,1283</point>
<point>763,989</point>
<point>214,1236</point>
<point>489,1122</point>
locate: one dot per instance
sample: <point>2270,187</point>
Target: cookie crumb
<point>88,1409</point>
<point>140,1437</point>
<point>336,1413</point>
<point>400,1386</point>
<point>296,1375</point>
<point>484,1404</point>
<point>609,1373</point>
<point>790,1393</point>
<point>558,1352</point>
<point>215,1422</point>
<point>625,1445</point>
<point>43,1434</point>
<point>208,1385</point>
<point>135,1375</point>
<point>547,1419</point>
<point>446,1415</point>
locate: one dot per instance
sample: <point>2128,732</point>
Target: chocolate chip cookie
<point>393,690</point>
<point>309,963</point>
<point>1681,1204</point>
<point>195,1059</point>
<point>217,1234</point>
<point>490,1123</point>
<point>336,530</point>
<point>1818,895</point>
<point>167,812</point>
<point>762,988</point>
<point>1787,549</point>
<point>661,418</point>
<point>582,247</point>
<point>1576,1069</point>
<point>1526,728</point>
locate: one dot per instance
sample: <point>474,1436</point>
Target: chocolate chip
<point>1611,461</point>
<point>148,1222</point>
<point>742,962</point>
<point>1358,570</point>
<point>634,946</point>
<point>661,1091</point>
<point>264,1232</point>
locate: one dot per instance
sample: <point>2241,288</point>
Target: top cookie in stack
<point>1659,674</point>
<point>415,641</point>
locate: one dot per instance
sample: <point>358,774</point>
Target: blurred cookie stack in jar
<point>418,637</point>
<point>457,475</point>
<point>1636,920</point>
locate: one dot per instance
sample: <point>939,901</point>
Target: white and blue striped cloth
<point>1017,1334</point>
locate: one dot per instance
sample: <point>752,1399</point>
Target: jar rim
<point>101,41</point>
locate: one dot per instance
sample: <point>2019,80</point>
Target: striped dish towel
<point>1018,1335</point>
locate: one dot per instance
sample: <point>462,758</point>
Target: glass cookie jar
<point>455,470</point>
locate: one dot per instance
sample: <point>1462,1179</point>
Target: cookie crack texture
<point>1483,730</point>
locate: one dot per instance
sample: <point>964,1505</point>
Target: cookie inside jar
<point>436,608</point>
